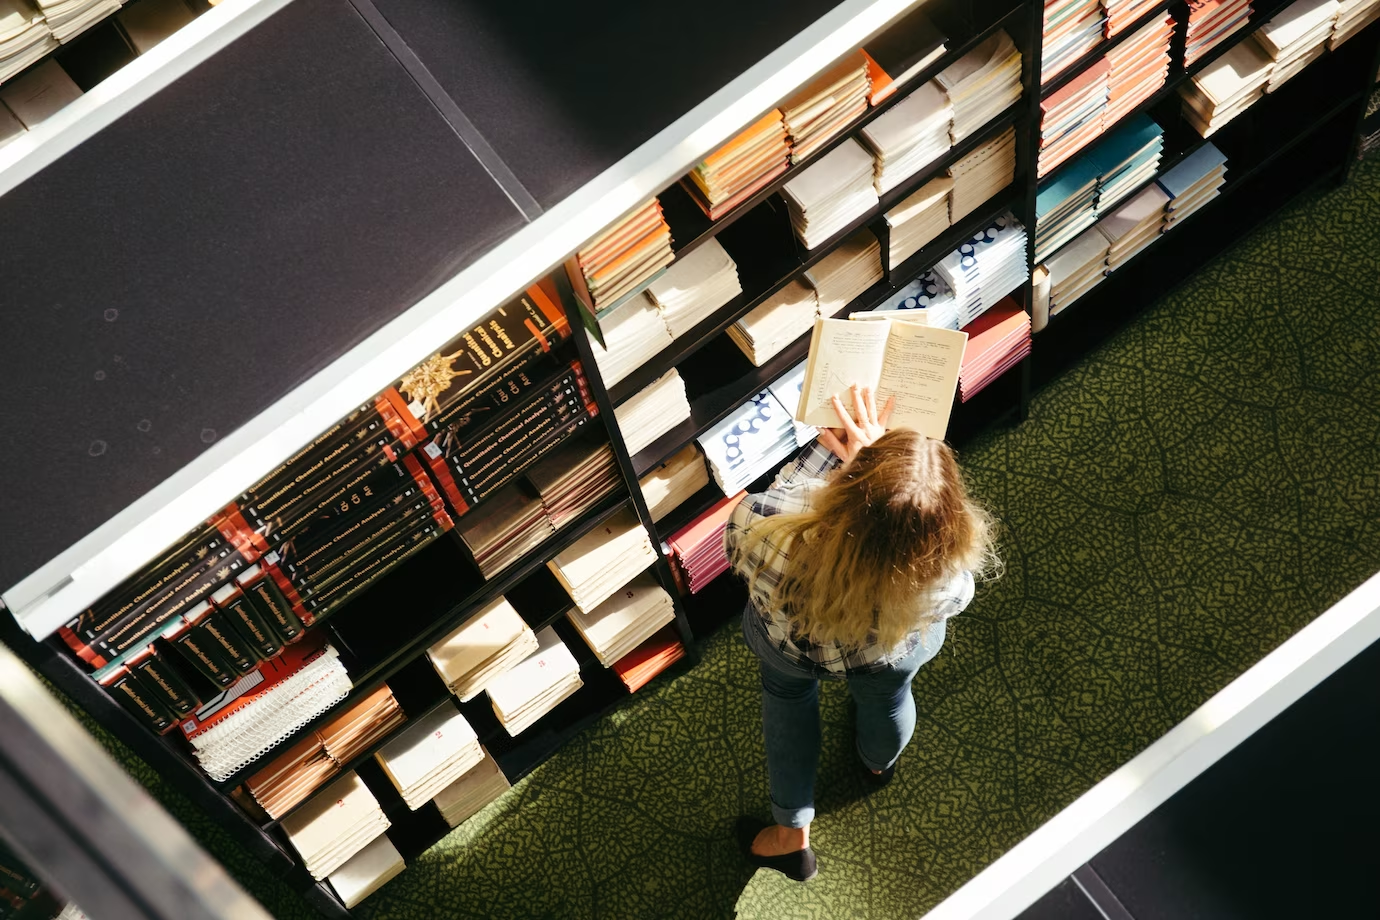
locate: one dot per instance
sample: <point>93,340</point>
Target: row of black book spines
<point>18,883</point>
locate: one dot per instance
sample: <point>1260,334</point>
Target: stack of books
<point>1072,28</point>
<point>1296,37</point>
<point>464,798</point>
<point>338,822</point>
<point>653,411</point>
<point>753,438</point>
<point>777,322</point>
<point>149,22</point>
<point>1352,17</point>
<point>851,268</point>
<point>633,333</point>
<point>831,193</point>
<point>1078,268</point>
<point>742,167</point>
<point>981,174</point>
<point>292,776</point>
<point>696,286</point>
<point>69,18</point>
<point>1210,22</point>
<point>1138,68</point>
<point>352,733</point>
<point>649,659</point>
<point>1127,157</point>
<point>600,562</point>
<point>1065,205</point>
<point>918,219</point>
<point>1226,87</point>
<point>367,871</point>
<point>982,83</point>
<point>901,53</point>
<point>627,619</point>
<point>821,110</point>
<point>986,268</point>
<point>1072,117</point>
<point>697,549</point>
<point>1122,14</point>
<point>931,293</point>
<point>1134,225</point>
<point>1193,183</point>
<point>786,389</point>
<point>487,645</point>
<point>670,484</point>
<point>909,136</point>
<point>39,93</point>
<point>997,342</point>
<point>575,477</point>
<point>536,685</point>
<point>624,257</point>
<point>24,37</point>
<point>432,753</point>
<point>504,529</point>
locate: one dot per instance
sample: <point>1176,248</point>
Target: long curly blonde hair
<point>891,526</point>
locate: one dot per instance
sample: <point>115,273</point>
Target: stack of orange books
<point>1138,67</point>
<point>741,168</point>
<point>997,341</point>
<point>1073,117</point>
<point>623,258</point>
<point>822,110</point>
<point>649,659</point>
<point>1122,14</point>
<point>1212,21</point>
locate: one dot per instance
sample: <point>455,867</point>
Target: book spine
<point>130,693</point>
<point>350,477</point>
<point>317,582</point>
<point>322,602</point>
<point>216,630</point>
<point>389,487</point>
<point>270,601</point>
<point>252,626</point>
<point>359,541</point>
<point>323,441</point>
<point>163,682</point>
<point>289,481</point>
<point>289,591</point>
<point>203,655</point>
<point>521,455</point>
<point>525,370</point>
<point>556,400</point>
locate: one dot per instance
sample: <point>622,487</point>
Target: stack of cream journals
<point>1210,22</point>
<point>24,37</point>
<point>633,332</point>
<point>148,22</point>
<point>487,645</point>
<point>775,323</point>
<point>337,823</point>
<point>831,193</point>
<point>464,798</point>
<point>985,171</point>
<point>537,685</point>
<point>504,528</point>
<point>918,219</point>
<point>655,410</point>
<point>909,136</point>
<point>670,484</point>
<point>1352,17</point>
<point>849,269</point>
<point>626,620</point>
<point>430,754</point>
<point>1078,268</point>
<point>69,18</point>
<point>367,871</point>
<point>604,559</point>
<point>624,257</point>
<point>694,287</point>
<point>822,109</point>
<point>982,83</point>
<point>1226,87</point>
<point>1193,183</point>
<point>39,93</point>
<point>1134,225</point>
<point>1296,37</point>
<point>575,477</point>
<point>741,168</point>
<point>1138,67</point>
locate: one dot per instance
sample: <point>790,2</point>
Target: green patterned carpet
<point>1175,507</point>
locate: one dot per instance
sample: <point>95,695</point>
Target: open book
<point>900,356</point>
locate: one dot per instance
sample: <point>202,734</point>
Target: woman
<point>855,557</point>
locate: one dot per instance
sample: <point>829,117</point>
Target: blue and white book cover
<point>746,435</point>
<point>786,389</point>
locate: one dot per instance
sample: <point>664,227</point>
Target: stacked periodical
<point>1126,158</point>
<point>1122,14</point>
<point>1210,22</point>
<point>24,39</point>
<point>671,483</point>
<point>849,269</point>
<point>69,18</point>
<point>575,477</point>
<point>504,529</point>
<point>787,389</point>
<point>997,342</point>
<point>743,446</point>
<point>986,268</point>
<point>1078,268</point>
<point>1137,68</point>
<point>1065,205</point>
<point>984,172</point>
<point>430,754</point>
<point>775,323</point>
<point>367,871</point>
<point>487,645</point>
<point>1352,17</point>
<point>649,659</point>
<point>467,795</point>
<point>1226,87</point>
<point>930,293</point>
<point>1072,28</point>
<point>1193,183</point>
<point>338,822</point>
<point>982,83</point>
<point>1134,225</point>
<point>695,286</point>
<point>634,332</point>
<point>1296,37</point>
<point>603,560</point>
<point>625,257</point>
<point>820,111</point>
<point>626,619</point>
<point>1072,116</point>
<point>909,136</point>
<point>918,219</point>
<point>697,549</point>
<point>831,193</point>
<point>653,411</point>
<point>740,168</point>
<point>535,685</point>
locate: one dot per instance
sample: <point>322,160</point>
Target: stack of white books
<point>831,193</point>
<point>1193,183</point>
<point>931,294</point>
<point>487,645</point>
<point>851,268</point>
<point>1226,87</point>
<point>504,528</point>
<point>982,83</point>
<point>757,436</point>
<point>776,322</point>
<point>430,754</point>
<point>981,174</point>
<point>822,109</point>
<point>986,268</point>
<point>655,410</point>
<point>148,22</point>
<point>1078,268</point>
<point>367,871</point>
<point>40,93</point>
<point>24,38</point>
<point>574,477</point>
<point>918,219</point>
<point>335,824</point>
<point>626,620</point>
<point>69,18</point>
<point>633,332</point>
<point>670,484</point>
<point>1296,37</point>
<point>601,561</point>
<point>909,136</point>
<point>626,255</point>
<point>1352,17</point>
<point>1134,225</point>
<point>786,389</point>
<point>694,287</point>
<point>537,685</point>
<point>467,795</point>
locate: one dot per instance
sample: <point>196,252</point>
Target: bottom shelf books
<point>535,686</point>
<point>649,659</point>
<point>697,549</point>
<point>339,821</point>
<point>367,871</point>
<point>467,795</point>
<point>597,564</point>
<point>487,645</point>
<point>431,754</point>
<point>628,618</point>
<point>998,340</point>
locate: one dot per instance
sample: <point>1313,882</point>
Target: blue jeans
<point>790,716</point>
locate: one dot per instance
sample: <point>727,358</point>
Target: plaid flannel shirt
<point>791,493</point>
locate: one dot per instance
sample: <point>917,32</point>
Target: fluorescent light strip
<point>78,576</point>
<point>1041,861</point>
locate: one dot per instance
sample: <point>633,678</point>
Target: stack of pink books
<point>697,549</point>
<point>1122,14</point>
<point>997,341</point>
<point>1073,117</point>
<point>1211,21</point>
<point>1137,68</point>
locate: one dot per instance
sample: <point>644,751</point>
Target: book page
<point>842,353</point>
<point>921,371</point>
<point>918,317</point>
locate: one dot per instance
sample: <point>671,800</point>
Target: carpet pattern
<point>1175,507</point>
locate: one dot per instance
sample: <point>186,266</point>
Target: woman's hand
<point>870,425</point>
